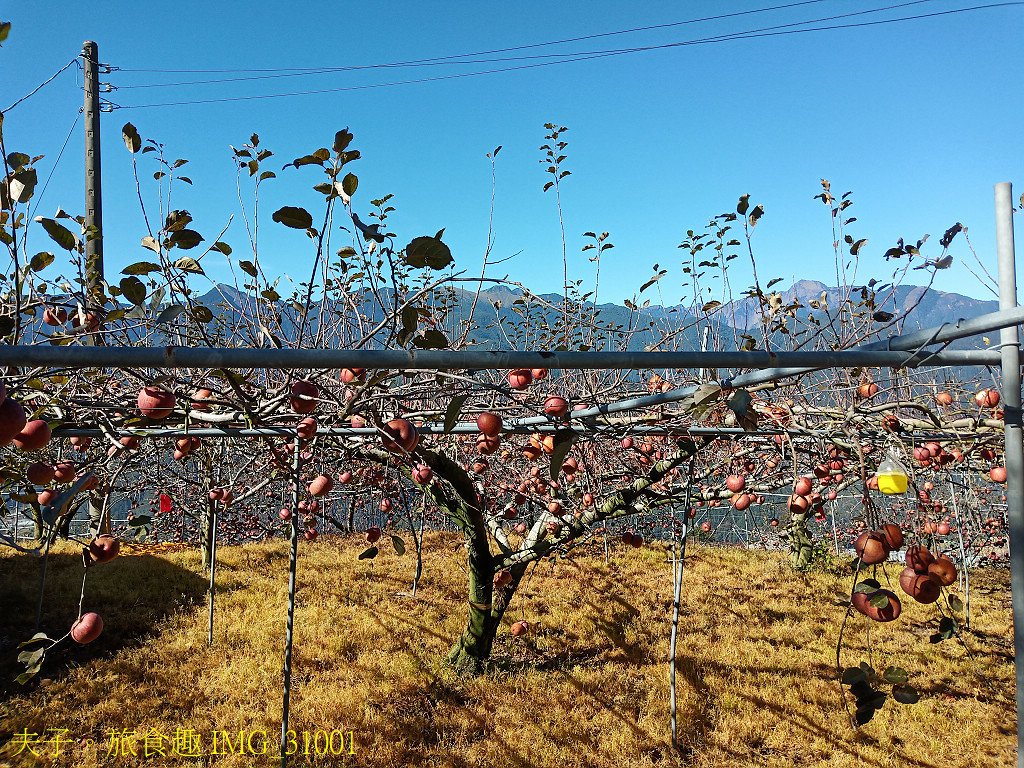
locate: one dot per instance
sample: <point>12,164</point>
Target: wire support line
<point>42,192</point>
<point>465,59</point>
<point>42,85</point>
<point>664,46</point>
<point>509,49</point>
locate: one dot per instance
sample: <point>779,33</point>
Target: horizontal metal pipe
<point>204,357</point>
<point>470,428</point>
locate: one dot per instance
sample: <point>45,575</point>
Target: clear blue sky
<point>919,119</point>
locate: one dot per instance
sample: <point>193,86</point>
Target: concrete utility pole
<point>93,187</point>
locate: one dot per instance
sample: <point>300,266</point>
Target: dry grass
<point>588,688</point>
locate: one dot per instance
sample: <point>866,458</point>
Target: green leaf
<point>428,252</point>
<point>41,261</point>
<point>564,438</point>
<point>133,289</point>
<point>879,599</point>
<point>296,218</point>
<point>36,639</point>
<point>140,268</point>
<point>905,694</point>
<point>170,313</point>
<point>248,267</point>
<point>17,160</point>
<point>60,234</point>
<point>177,220</point>
<point>410,317</point>
<point>369,553</point>
<point>451,414</point>
<point>29,658</point>
<point>349,184</point>
<point>201,314</point>
<point>5,30</point>
<point>22,185</point>
<point>341,140</point>
<point>431,339</point>
<point>852,675</point>
<point>896,675</point>
<point>188,264</point>
<point>864,714</point>
<point>317,158</point>
<point>56,508</point>
<point>398,544</point>
<point>653,280</point>
<point>131,137</point>
<point>186,239</point>
<point>743,205</point>
<point>740,402</point>
<point>27,675</point>
<point>221,247</point>
<point>955,604</point>
<point>867,586</point>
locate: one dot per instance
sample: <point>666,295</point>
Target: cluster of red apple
<point>922,579</point>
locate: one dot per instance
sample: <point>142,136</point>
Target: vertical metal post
<point>678,556</point>
<point>93,174</point>
<point>293,560</point>
<point>965,569</point>
<point>1011,397</point>
<point>213,571</point>
<point>835,528</point>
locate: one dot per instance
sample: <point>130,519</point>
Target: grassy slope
<point>588,688</point>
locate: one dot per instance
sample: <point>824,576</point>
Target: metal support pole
<point>965,569</point>
<point>93,176</point>
<point>678,556</point>
<point>213,570</point>
<point>1010,353</point>
<point>293,533</point>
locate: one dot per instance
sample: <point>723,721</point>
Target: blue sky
<point>918,119</point>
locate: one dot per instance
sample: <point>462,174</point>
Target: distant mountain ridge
<point>495,311</point>
<point>923,307</point>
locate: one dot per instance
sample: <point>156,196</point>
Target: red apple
<point>862,602</point>
<point>34,436</point>
<point>86,628</point>
<point>304,396</point>
<point>156,402</point>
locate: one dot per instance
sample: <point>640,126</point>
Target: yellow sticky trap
<point>892,477</point>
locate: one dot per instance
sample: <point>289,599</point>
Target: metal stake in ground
<point>213,567</point>
<point>292,561</point>
<point>678,553</point>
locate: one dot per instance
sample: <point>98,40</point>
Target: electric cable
<point>460,58</point>
<point>574,58</point>
<point>40,87</point>
<point>508,49</point>
<point>56,162</point>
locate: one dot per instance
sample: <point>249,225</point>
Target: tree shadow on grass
<point>131,593</point>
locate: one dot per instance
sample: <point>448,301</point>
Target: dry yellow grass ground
<point>588,688</point>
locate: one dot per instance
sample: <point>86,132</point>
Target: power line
<point>40,87</point>
<point>757,33</point>
<point>595,36</point>
<point>461,58</point>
